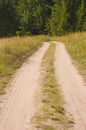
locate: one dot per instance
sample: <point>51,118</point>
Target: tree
<point>39,12</point>
<point>81,16</point>
<point>59,18</point>
<point>23,12</point>
<point>42,16</point>
<point>8,18</point>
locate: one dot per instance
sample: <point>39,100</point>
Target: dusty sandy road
<point>72,86</point>
<point>19,107</point>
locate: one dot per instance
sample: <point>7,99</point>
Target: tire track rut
<point>72,86</point>
<point>18,108</point>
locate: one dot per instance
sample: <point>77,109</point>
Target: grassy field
<point>76,46</point>
<point>13,52</point>
<point>51,115</point>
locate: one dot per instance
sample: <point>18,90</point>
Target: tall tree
<point>23,12</point>
<point>8,18</point>
<point>59,18</point>
<point>30,16</point>
<point>39,12</point>
<point>81,15</point>
<point>42,16</point>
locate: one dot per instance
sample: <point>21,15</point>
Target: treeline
<point>55,17</point>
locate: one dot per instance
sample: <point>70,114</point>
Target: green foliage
<point>8,18</point>
<point>42,17</point>
<point>23,13</point>
<point>21,33</point>
<point>81,16</point>
<point>59,17</point>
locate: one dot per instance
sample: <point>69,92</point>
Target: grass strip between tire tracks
<point>51,115</point>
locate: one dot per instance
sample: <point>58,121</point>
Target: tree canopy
<point>54,17</point>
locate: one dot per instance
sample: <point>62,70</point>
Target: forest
<point>33,17</point>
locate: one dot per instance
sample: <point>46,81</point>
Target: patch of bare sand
<point>72,86</point>
<point>18,106</point>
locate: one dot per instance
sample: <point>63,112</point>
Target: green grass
<point>52,115</point>
<point>13,52</point>
<point>76,46</point>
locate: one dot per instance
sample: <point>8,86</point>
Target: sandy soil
<point>18,107</point>
<point>72,86</point>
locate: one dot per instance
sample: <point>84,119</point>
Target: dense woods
<point>54,17</point>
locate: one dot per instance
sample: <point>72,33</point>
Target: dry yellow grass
<point>13,52</point>
<point>76,46</point>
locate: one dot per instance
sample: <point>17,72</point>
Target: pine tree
<point>23,13</point>
<point>59,17</point>
<point>81,16</point>
<point>39,14</point>
<point>8,18</point>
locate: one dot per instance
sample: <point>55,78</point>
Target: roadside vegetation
<point>13,52</point>
<point>51,114</point>
<point>76,46</point>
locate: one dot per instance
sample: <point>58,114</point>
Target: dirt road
<point>72,86</point>
<point>17,110</point>
<point>18,107</point>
